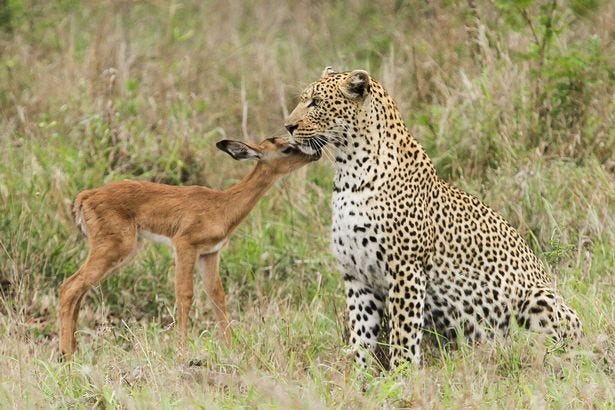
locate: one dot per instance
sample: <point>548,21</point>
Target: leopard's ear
<point>355,85</point>
<point>327,72</point>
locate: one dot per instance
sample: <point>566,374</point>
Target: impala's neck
<point>243,196</point>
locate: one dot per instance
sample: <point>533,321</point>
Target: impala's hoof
<point>196,363</point>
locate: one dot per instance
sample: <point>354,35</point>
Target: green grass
<point>513,103</point>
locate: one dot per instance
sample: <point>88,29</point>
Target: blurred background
<point>513,100</point>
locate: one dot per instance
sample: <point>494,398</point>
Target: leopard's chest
<point>356,239</point>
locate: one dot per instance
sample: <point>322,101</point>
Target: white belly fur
<point>216,247</point>
<point>154,237</point>
<point>167,241</point>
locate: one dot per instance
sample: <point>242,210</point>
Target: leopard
<point>411,248</point>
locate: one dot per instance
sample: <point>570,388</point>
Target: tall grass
<point>513,101</point>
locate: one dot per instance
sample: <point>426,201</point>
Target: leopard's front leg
<point>364,310</point>
<point>405,306</point>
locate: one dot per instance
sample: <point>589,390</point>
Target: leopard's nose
<point>291,128</point>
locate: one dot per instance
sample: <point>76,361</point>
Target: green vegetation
<point>512,99</point>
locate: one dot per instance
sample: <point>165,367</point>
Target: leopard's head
<point>329,110</point>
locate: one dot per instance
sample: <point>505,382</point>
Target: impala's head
<point>333,110</point>
<point>276,153</point>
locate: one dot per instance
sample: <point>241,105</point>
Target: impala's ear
<point>356,85</point>
<point>327,72</point>
<point>238,150</point>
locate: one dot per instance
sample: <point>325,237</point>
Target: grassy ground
<point>514,101</point>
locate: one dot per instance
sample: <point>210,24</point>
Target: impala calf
<point>195,220</point>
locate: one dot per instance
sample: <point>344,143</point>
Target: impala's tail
<point>78,210</point>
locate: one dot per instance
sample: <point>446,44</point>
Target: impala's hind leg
<point>105,256</point>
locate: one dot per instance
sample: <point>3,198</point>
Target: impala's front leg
<point>405,306</point>
<point>364,309</point>
<point>185,258</point>
<point>208,267</point>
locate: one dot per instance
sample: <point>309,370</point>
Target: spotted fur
<point>435,257</point>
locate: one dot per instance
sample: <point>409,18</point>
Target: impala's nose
<point>291,128</point>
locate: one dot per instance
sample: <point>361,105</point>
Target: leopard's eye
<point>314,102</point>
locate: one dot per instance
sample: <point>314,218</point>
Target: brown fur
<point>196,220</point>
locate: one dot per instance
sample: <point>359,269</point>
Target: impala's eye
<point>287,150</point>
<point>314,102</point>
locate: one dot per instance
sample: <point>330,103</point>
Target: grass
<point>512,100</point>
